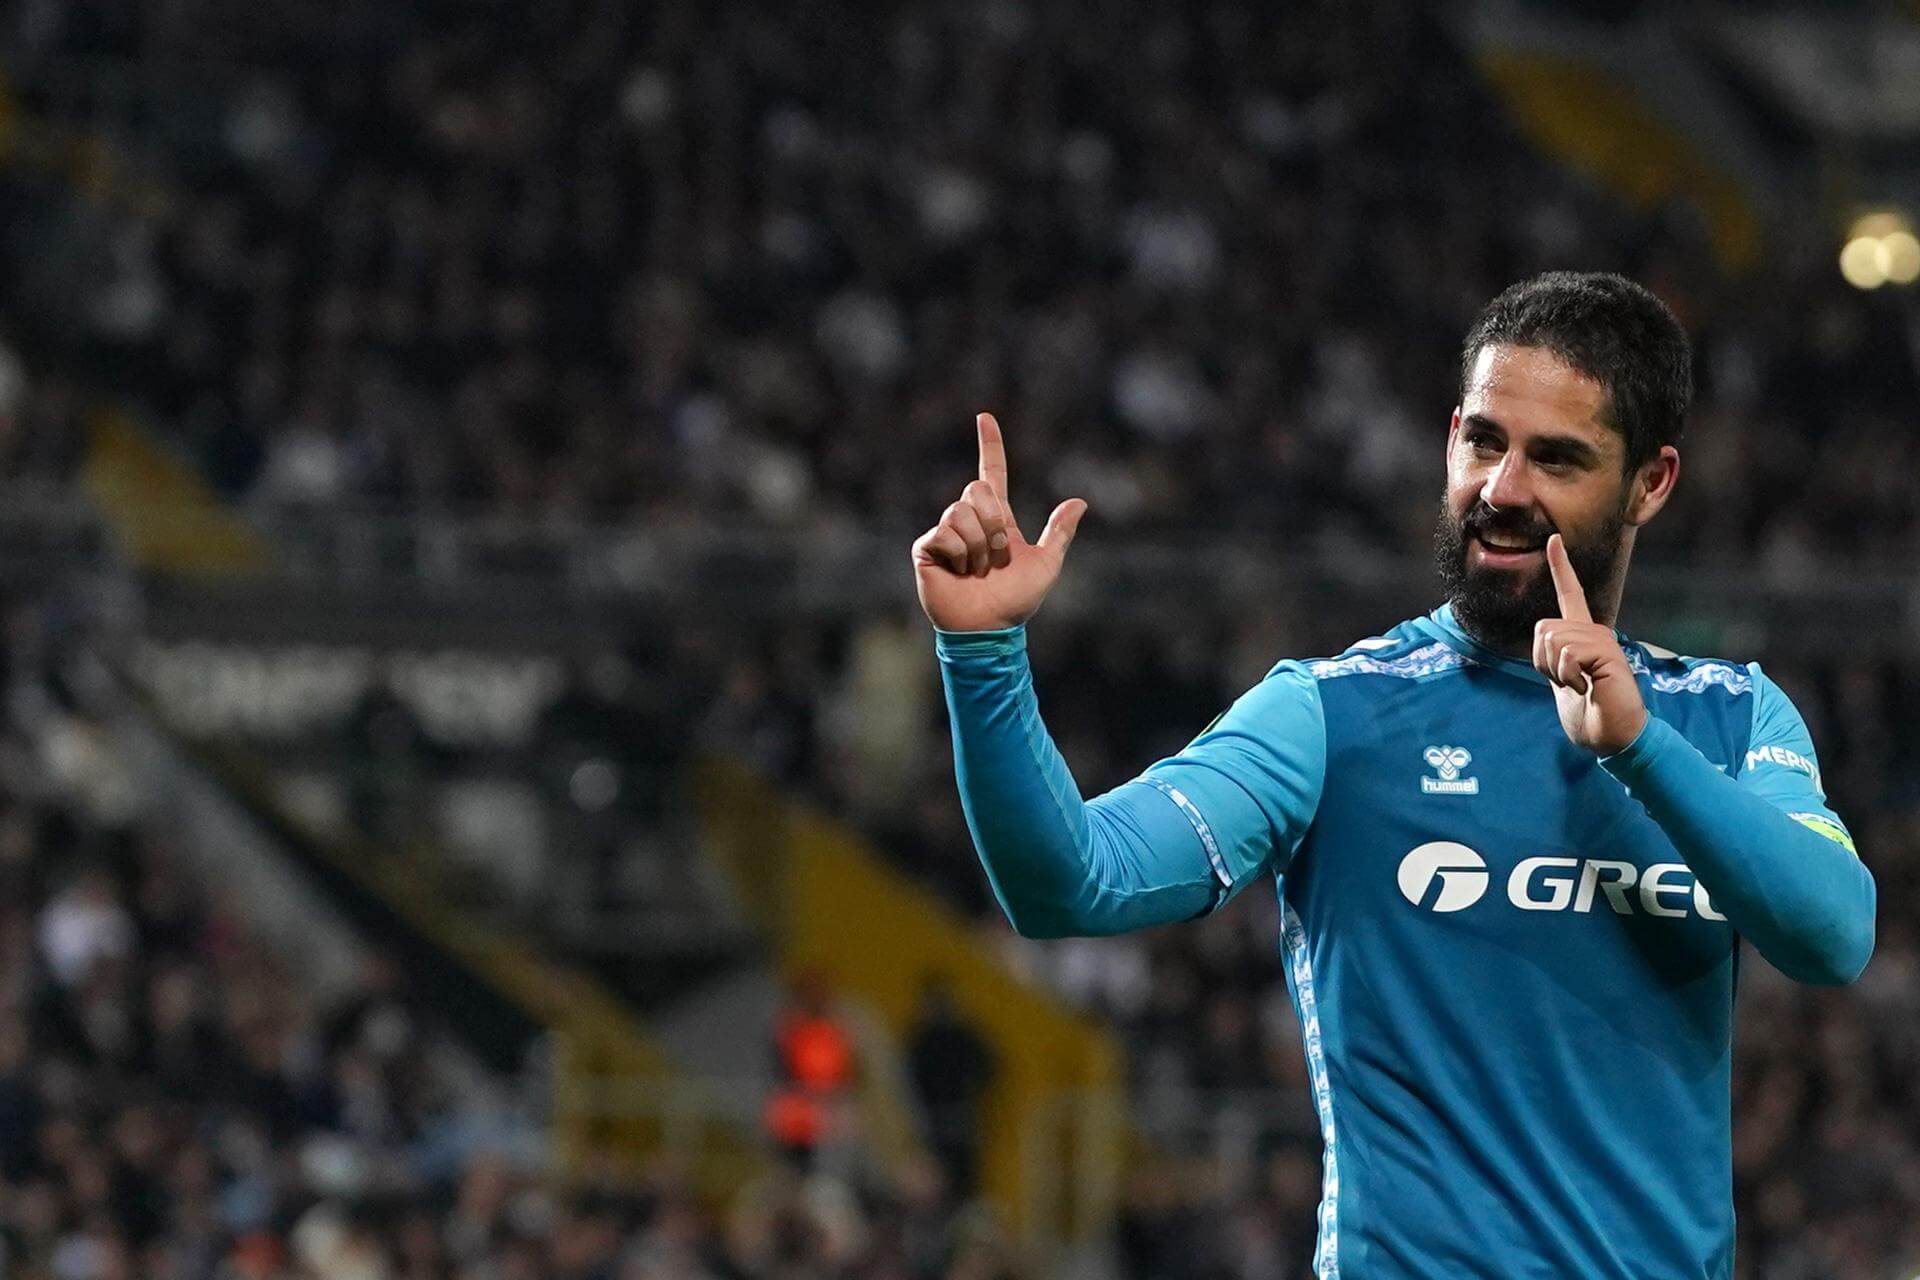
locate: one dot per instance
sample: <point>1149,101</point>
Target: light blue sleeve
<point>1773,857</point>
<point>1172,844</point>
<point>1251,783</point>
<point>1780,765</point>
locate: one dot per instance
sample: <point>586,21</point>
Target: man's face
<point>1527,456</point>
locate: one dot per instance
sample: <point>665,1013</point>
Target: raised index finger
<point>1566,583</point>
<point>993,455</point>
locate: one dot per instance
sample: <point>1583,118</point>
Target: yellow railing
<point>1590,120</point>
<point>162,510</point>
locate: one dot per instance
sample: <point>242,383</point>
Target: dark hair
<point>1610,329</point>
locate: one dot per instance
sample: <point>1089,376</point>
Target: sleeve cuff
<point>1630,762</point>
<point>979,644</point>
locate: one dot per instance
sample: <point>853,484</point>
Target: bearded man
<point>1515,850</point>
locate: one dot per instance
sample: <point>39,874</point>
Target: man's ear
<point>1653,485</point>
<point>1453,429</point>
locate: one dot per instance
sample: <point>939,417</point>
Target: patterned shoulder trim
<point>1707,674</point>
<point>1427,660</point>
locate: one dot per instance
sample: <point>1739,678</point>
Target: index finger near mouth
<point>1566,583</point>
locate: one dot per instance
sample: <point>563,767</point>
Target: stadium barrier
<point>561,585</point>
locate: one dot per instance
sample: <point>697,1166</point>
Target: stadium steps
<point>678,1028</point>
<point>616,1090</point>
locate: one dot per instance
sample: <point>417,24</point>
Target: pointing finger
<point>1566,583</point>
<point>993,455</point>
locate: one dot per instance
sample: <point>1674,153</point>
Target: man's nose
<point>1508,484</point>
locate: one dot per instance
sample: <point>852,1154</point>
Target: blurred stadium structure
<point>460,459</point>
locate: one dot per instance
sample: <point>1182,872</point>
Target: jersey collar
<point>1444,627</point>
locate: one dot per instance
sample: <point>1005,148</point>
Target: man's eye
<point>1482,444</point>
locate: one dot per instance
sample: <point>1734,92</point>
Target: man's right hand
<point>974,570</point>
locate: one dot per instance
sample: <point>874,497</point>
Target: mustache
<point>1482,519</point>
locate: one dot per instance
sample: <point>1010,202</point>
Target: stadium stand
<point>626,269</point>
<point>179,1099</point>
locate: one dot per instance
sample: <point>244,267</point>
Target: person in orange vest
<point>815,1067</point>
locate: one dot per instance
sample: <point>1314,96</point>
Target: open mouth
<point>1504,550</point>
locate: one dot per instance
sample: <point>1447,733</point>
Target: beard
<point>1499,607</point>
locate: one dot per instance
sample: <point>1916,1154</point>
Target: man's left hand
<point>1593,687</point>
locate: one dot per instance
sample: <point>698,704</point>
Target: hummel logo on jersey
<point>1552,884</point>
<point>1448,762</point>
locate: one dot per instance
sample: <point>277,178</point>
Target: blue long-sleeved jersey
<point>1513,963</point>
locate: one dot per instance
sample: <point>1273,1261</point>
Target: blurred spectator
<point>816,1069</point>
<point>83,927</point>
<point>951,1066</point>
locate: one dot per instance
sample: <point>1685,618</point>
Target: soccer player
<point>1515,849</point>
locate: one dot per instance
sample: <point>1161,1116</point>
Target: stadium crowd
<point>177,1102</point>
<point>1210,263</point>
